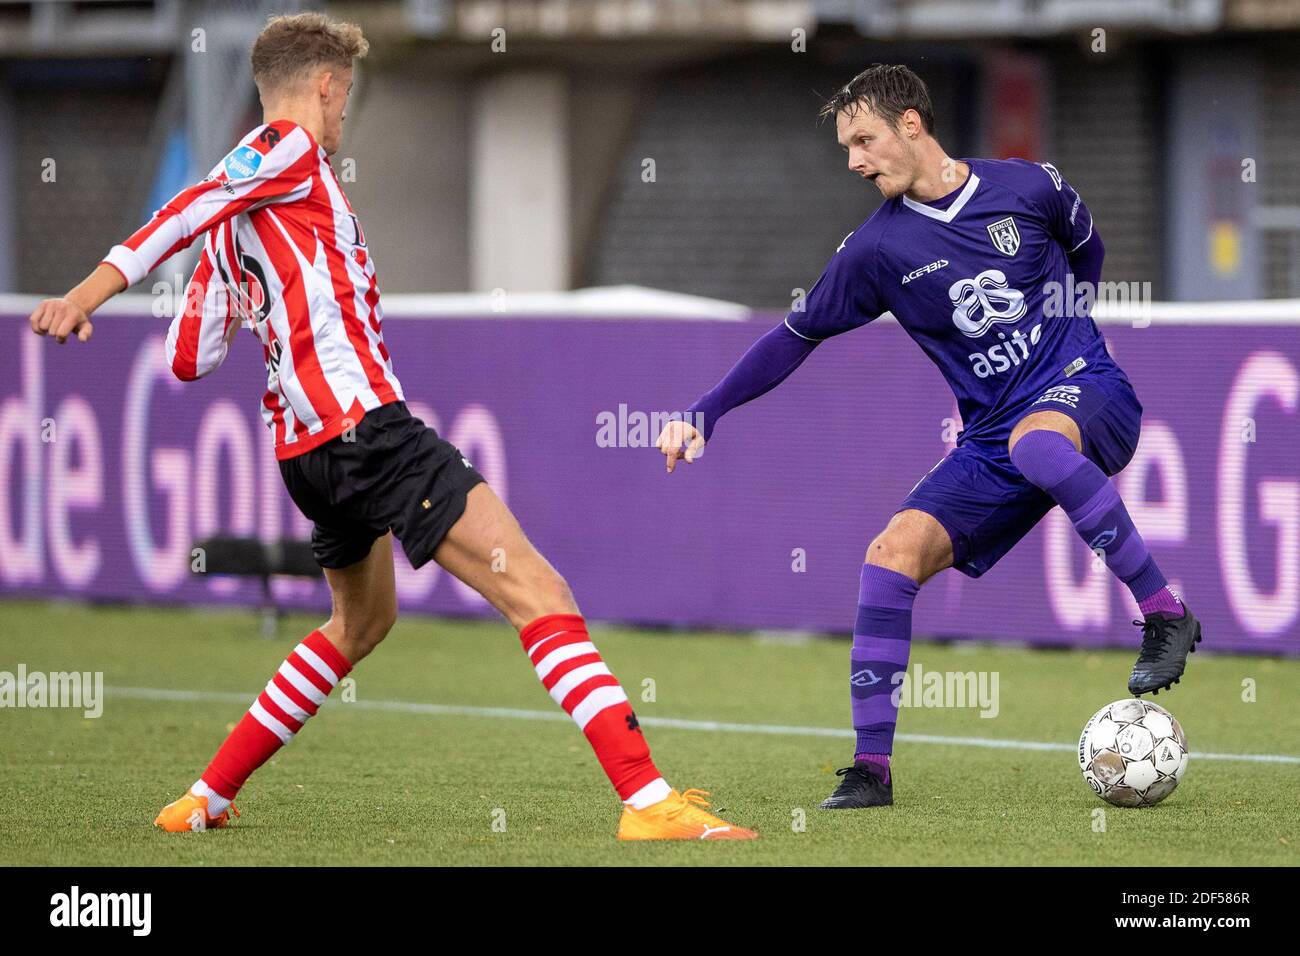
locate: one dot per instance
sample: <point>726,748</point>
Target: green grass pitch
<point>376,782</point>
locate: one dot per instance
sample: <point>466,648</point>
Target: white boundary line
<point>454,710</point>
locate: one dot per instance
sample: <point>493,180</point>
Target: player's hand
<point>674,437</point>
<point>61,318</point>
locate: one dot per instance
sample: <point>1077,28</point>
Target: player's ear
<point>910,121</point>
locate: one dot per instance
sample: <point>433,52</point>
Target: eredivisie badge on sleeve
<point>1005,236</point>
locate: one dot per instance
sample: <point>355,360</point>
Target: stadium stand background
<point>750,194</point>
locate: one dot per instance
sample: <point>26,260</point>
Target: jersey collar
<point>949,214</point>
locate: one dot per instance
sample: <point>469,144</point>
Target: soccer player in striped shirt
<point>966,255</point>
<point>284,254</point>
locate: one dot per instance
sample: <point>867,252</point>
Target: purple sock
<point>1163,602</point>
<point>1090,501</point>
<point>882,637</point>
<point>879,762</point>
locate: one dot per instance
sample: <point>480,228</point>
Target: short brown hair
<point>886,89</point>
<point>290,45</point>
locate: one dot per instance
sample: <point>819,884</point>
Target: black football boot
<point>860,787</point>
<point>1166,642</point>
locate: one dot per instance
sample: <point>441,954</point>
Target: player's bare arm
<point>70,314</point>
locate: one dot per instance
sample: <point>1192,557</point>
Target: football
<point>1133,753</point>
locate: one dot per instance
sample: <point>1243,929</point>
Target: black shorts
<point>396,473</point>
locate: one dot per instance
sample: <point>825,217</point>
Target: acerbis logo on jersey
<point>984,301</point>
<point>242,162</point>
<point>1005,236</point>
<point>925,270</point>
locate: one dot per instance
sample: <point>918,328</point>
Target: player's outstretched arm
<point>845,297</point>
<point>766,365</point>
<point>274,166</point>
<point>70,315</point>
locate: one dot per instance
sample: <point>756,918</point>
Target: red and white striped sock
<point>293,695</point>
<point>571,670</point>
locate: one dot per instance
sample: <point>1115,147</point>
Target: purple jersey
<point>970,279</point>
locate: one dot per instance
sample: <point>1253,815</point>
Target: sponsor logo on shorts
<point>1075,366</point>
<point>1062,394</point>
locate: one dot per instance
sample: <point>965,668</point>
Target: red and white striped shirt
<point>285,255</point>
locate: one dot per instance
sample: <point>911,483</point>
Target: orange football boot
<point>190,813</point>
<point>680,816</point>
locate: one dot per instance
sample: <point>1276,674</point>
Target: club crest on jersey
<point>1005,236</point>
<point>242,162</point>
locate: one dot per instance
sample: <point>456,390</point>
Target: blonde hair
<point>290,45</point>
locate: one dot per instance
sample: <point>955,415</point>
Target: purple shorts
<point>983,500</point>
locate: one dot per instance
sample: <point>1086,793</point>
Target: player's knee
<point>890,551</point>
<point>902,548</point>
<point>362,633</point>
<point>546,592</point>
<point>554,593</point>
<point>1036,453</point>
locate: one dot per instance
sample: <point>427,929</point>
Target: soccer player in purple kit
<point>966,255</point>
